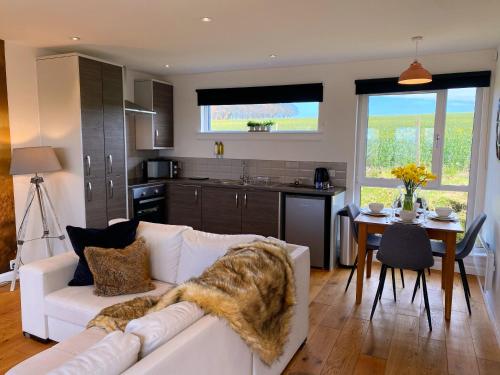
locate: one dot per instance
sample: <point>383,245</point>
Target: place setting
<point>445,214</point>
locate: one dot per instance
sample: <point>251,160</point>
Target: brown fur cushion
<point>120,271</point>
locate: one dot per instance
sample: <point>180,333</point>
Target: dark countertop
<point>234,184</point>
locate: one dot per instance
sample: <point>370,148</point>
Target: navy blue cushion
<point>117,236</point>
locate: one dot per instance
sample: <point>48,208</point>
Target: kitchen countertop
<point>235,184</point>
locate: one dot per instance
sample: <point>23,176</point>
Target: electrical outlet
<point>12,264</point>
<point>331,172</point>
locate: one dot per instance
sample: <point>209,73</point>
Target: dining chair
<point>405,246</point>
<point>463,249</point>
<point>372,244</point>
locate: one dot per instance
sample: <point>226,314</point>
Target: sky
<point>459,100</point>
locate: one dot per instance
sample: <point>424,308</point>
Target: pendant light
<point>416,74</point>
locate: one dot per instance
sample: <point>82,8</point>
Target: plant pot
<point>407,215</point>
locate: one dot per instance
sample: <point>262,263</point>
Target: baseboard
<point>489,310</point>
<point>6,276</point>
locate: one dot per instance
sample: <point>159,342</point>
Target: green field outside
<point>281,124</point>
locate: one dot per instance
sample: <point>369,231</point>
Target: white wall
<point>24,125</point>
<point>491,229</point>
<point>337,112</point>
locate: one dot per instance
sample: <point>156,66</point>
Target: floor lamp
<point>34,160</point>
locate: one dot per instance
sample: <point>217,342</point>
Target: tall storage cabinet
<point>82,117</point>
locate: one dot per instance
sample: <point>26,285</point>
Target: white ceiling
<point>148,34</point>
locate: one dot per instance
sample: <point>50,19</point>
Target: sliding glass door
<point>439,129</point>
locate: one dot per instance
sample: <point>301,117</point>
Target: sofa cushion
<point>200,250</point>
<point>79,305</point>
<point>115,236</point>
<point>110,356</point>
<point>157,328</point>
<point>120,271</point>
<point>164,244</point>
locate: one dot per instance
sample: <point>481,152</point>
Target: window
<point>436,128</point>
<point>290,108</point>
<point>287,117</point>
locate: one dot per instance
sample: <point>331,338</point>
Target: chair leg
<point>426,300</point>
<point>383,284</point>
<point>429,271</point>
<point>352,273</point>
<point>402,277</point>
<point>417,283</point>
<point>379,289</point>
<point>465,284</point>
<point>393,284</point>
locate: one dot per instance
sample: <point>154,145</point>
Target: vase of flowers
<point>414,177</point>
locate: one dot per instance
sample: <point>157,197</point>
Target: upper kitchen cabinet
<point>156,131</point>
<point>82,117</point>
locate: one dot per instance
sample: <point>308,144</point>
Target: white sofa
<point>52,310</point>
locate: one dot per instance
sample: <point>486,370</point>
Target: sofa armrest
<point>39,279</point>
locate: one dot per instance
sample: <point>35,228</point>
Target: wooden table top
<point>445,226</point>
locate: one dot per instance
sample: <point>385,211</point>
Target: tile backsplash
<point>281,171</point>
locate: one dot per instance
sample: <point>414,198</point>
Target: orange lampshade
<point>416,74</point>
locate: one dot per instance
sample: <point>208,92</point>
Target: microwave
<point>160,168</point>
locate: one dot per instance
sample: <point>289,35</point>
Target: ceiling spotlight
<point>273,56</point>
<point>75,38</point>
<point>167,66</point>
<point>206,19</point>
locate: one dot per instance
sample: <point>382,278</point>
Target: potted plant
<point>253,126</point>
<point>413,178</point>
<point>267,125</point>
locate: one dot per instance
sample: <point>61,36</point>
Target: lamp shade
<point>416,74</point>
<point>30,160</point>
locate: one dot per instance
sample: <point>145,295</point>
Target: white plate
<point>434,216</point>
<point>413,222</point>
<point>368,212</point>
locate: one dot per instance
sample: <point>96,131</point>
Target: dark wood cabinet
<point>163,121</point>
<point>103,141</point>
<point>184,205</point>
<point>154,131</point>
<point>221,210</point>
<point>260,213</point>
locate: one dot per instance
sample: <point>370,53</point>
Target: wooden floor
<point>342,340</point>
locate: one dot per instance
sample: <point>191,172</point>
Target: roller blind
<point>310,92</point>
<point>439,82</point>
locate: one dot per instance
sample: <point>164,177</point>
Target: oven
<point>148,203</point>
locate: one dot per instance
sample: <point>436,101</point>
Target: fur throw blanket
<point>251,286</point>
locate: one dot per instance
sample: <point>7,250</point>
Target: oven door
<point>150,209</point>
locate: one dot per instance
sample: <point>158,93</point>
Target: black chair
<point>372,243</point>
<point>463,249</point>
<point>406,247</point>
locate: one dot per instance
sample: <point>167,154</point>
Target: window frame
<point>205,122</point>
<point>437,150</point>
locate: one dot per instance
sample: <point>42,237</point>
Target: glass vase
<point>408,202</point>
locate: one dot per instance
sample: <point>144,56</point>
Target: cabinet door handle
<point>156,134</point>
<point>196,195</point>
<point>110,163</point>
<point>245,199</point>
<point>111,189</point>
<point>87,159</point>
<point>236,198</point>
<point>89,191</point>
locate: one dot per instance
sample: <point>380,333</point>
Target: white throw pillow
<point>164,244</point>
<point>157,328</point>
<point>201,249</point>
<point>112,355</point>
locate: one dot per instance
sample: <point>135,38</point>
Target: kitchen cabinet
<point>221,210</point>
<point>82,116</point>
<point>154,131</point>
<point>260,213</point>
<point>184,205</point>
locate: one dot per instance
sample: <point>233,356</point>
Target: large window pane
<point>458,136</point>
<point>400,131</point>
<point>286,116</point>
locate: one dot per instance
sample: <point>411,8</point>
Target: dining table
<point>445,231</point>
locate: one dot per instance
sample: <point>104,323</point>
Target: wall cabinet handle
<point>236,198</point>
<point>111,189</point>
<point>87,159</point>
<point>157,133</point>
<point>89,191</point>
<point>196,195</point>
<point>245,199</point>
<point>110,163</point>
